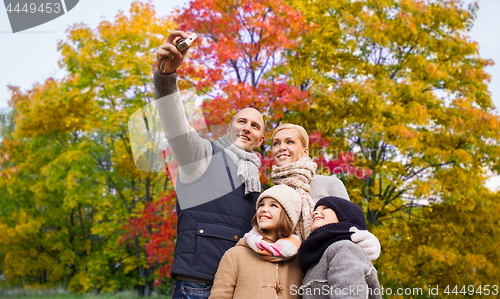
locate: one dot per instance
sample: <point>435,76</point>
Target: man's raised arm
<point>192,152</point>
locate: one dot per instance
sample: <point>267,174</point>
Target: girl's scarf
<point>281,250</point>
<point>248,164</point>
<point>312,249</point>
<point>298,175</point>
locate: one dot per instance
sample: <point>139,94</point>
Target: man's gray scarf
<point>248,164</point>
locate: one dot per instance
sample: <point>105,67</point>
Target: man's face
<point>246,130</point>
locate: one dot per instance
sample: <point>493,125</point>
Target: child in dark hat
<point>335,267</point>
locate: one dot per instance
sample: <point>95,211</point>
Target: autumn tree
<point>236,59</point>
<point>396,86</point>
<point>6,122</point>
<point>451,244</point>
<point>400,84</point>
<point>239,61</point>
<point>70,189</point>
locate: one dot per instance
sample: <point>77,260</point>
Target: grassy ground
<point>55,294</point>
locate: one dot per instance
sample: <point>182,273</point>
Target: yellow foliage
<point>67,178</point>
<point>53,106</point>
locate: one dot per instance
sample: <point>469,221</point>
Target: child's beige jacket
<point>243,274</point>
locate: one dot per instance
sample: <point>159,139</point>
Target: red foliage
<point>265,168</point>
<point>336,162</point>
<point>339,163</point>
<point>241,45</point>
<point>317,140</point>
<point>157,227</point>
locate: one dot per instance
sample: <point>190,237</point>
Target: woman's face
<point>287,147</point>
<point>323,216</point>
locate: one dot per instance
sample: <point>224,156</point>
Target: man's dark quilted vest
<point>206,231</point>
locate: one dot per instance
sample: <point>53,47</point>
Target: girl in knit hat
<point>335,267</point>
<point>242,273</point>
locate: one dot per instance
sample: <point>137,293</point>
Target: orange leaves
<point>401,131</point>
<point>241,40</point>
<point>272,99</point>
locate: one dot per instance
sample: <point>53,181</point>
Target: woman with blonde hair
<point>321,185</point>
<point>294,168</point>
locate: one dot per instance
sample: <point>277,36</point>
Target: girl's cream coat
<point>243,274</point>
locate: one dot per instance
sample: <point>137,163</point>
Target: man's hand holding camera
<point>171,54</point>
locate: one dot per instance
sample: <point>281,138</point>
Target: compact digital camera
<point>184,43</point>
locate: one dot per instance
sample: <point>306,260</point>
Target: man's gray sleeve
<point>192,152</point>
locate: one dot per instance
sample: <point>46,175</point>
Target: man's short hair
<point>263,125</point>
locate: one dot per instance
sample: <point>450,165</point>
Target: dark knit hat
<point>346,211</point>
